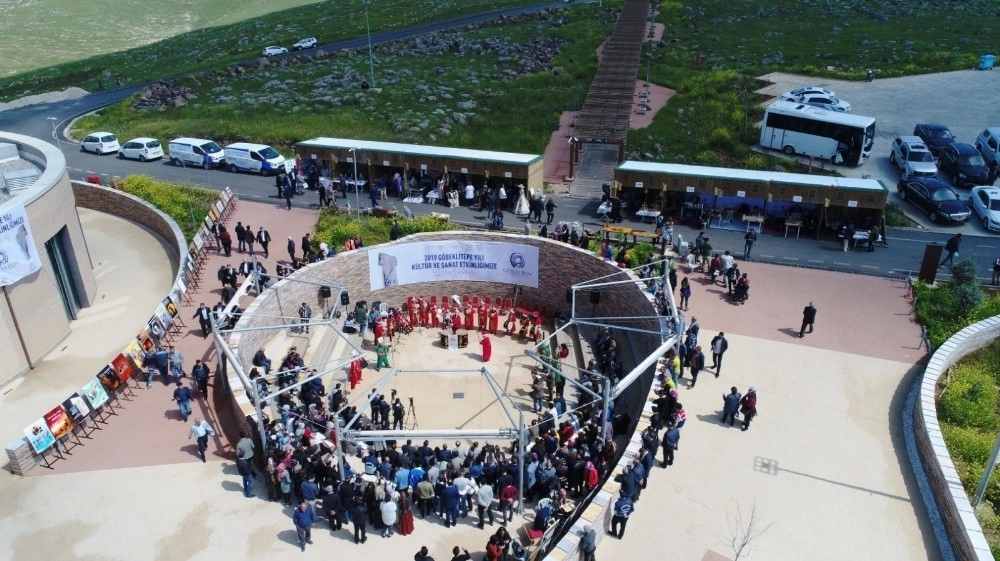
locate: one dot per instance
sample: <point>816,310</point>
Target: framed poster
<point>155,329</point>
<point>95,393</point>
<point>76,407</point>
<point>209,223</point>
<point>171,306</point>
<point>163,315</point>
<point>109,379</point>
<point>39,436</point>
<point>124,367</point>
<point>181,287</point>
<point>134,350</point>
<point>213,213</point>
<point>219,207</point>
<point>59,422</point>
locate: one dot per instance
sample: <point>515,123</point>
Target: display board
<point>18,255</point>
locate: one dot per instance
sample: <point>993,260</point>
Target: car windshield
<point>942,133</point>
<point>994,204</point>
<point>920,156</point>
<point>108,138</point>
<point>944,195</point>
<point>153,144</point>
<point>269,153</point>
<point>211,148</point>
<point>971,160</point>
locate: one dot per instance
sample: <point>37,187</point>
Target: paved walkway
<point>824,461</point>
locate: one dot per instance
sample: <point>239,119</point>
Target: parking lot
<point>964,101</point>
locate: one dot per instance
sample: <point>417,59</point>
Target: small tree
<point>965,287</point>
<point>745,526</point>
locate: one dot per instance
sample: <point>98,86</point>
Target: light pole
<point>357,196</point>
<point>55,133</point>
<point>371,57</point>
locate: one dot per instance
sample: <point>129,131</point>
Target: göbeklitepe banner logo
<point>409,263</point>
<point>18,256</point>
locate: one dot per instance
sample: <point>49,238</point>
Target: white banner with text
<point>409,263</point>
<point>18,256</point>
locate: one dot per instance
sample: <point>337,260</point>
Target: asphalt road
<point>901,258</point>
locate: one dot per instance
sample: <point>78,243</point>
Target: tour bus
<point>795,128</point>
<point>256,158</point>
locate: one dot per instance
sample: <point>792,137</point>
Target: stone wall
<point>959,517</point>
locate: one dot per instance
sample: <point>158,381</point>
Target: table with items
<point>646,213</point>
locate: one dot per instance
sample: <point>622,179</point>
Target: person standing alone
<point>748,240</point>
<point>263,238</point>
<point>303,518</point>
<point>808,318</point>
<point>719,346</point>
<point>550,210</point>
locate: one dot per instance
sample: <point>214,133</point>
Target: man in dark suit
<point>263,238</point>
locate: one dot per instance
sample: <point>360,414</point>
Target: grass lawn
<point>462,96</point>
<point>123,29</point>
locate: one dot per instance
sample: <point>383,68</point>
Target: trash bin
<point>986,62</point>
<point>95,179</point>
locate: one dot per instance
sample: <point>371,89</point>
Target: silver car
<point>912,157</point>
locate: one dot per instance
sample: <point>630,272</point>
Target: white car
<point>273,50</point>
<point>100,143</point>
<point>985,203</point>
<point>826,102</point>
<point>303,44</point>
<point>795,94</point>
<point>142,149</point>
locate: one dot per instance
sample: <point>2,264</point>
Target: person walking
<point>685,293</point>
<point>204,315</point>
<point>550,210</point>
<point>996,272</point>
<point>303,518</point>
<point>199,373</point>
<point>291,250</point>
<point>227,241</point>
<point>182,395</point>
<point>748,407</point>
<point>623,510</point>
<point>382,352</point>
<point>202,430</point>
<point>263,238</point>
<point>249,238</point>
<point>951,246</point>
<point>287,192</point>
<point>588,542</point>
<point>719,345</point>
<point>306,247</point>
<point>241,237</point>
<point>730,405</point>
<point>696,362</point>
<point>748,240</point>
<point>809,318</point>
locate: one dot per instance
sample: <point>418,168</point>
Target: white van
<point>257,158</point>
<point>195,152</point>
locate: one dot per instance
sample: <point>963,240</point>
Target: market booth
<point>739,199</point>
<point>366,162</point>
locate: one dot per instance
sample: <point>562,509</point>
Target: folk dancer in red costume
<point>494,319</point>
<point>487,345</point>
<point>435,317</point>
<point>469,314</point>
<point>456,321</point>
<point>509,324</point>
<point>481,313</point>
<point>424,311</point>
<point>413,309</point>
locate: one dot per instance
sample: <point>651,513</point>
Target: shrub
<point>970,400</point>
<point>186,204</point>
<point>334,229</point>
<point>967,444</point>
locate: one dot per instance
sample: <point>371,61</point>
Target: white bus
<point>795,128</point>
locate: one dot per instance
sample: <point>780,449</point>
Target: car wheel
<point>902,195</point>
<point>121,156</point>
<point>933,216</point>
<point>232,168</point>
<point>892,158</point>
<point>175,161</point>
<point>142,158</point>
<point>790,150</point>
<point>986,223</point>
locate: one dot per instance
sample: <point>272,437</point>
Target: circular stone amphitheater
<point>456,394</point>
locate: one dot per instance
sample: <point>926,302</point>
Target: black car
<point>936,137</point>
<point>938,200</point>
<point>964,165</point>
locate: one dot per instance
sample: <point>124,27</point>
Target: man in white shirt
<point>470,194</point>
<point>202,430</point>
<point>727,263</point>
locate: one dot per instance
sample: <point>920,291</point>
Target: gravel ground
<point>962,100</point>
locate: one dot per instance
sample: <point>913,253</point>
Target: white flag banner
<point>409,263</point>
<point>18,256</point>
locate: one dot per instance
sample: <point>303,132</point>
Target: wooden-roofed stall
<point>739,199</point>
<point>422,166</point>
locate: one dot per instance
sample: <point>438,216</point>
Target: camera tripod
<point>411,413</point>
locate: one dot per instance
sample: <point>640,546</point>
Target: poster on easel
<point>134,350</point>
<point>77,408</point>
<point>109,379</point>
<point>155,329</point>
<point>219,207</point>
<point>95,393</point>
<point>199,239</point>
<point>209,222</point>
<point>59,422</point>
<point>163,315</point>
<point>226,194</point>
<point>39,436</point>
<point>181,287</point>
<point>124,368</point>
<point>171,306</point>
<point>213,213</point>
<point>146,343</point>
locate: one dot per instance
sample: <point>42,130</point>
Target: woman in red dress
<point>487,347</point>
<point>481,312</point>
<point>354,375</point>
<point>468,318</point>
<point>494,320</point>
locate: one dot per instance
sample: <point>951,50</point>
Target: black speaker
<point>595,297</point>
<point>569,295</point>
<point>344,298</point>
<point>324,291</point>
